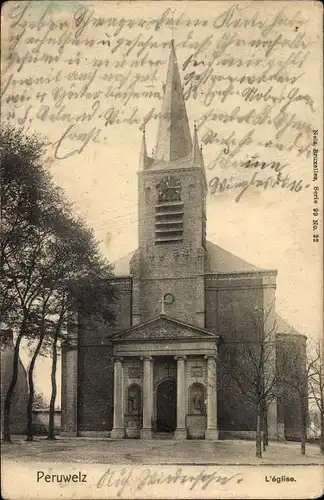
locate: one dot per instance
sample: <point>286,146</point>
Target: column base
<point>69,434</point>
<point>180,434</point>
<point>212,434</point>
<point>281,432</point>
<point>117,433</point>
<point>278,435</point>
<point>146,434</point>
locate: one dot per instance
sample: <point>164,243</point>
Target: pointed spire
<point>202,164</point>
<point>197,157</point>
<point>144,159</point>
<point>173,139</point>
<point>197,153</point>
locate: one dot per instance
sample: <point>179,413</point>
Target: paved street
<point>87,450</point>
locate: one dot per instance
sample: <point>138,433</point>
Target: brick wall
<point>95,366</point>
<point>96,389</point>
<point>291,359</point>
<point>230,312</point>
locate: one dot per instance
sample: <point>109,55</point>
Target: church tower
<point>170,261</point>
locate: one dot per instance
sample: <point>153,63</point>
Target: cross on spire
<point>172,26</point>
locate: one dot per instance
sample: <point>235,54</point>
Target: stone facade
<point>154,355</point>
<point>184,306</point>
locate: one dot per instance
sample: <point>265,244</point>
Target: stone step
<point>163,435</point>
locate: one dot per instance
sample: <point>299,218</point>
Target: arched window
<point>134,400</point>
<point>147,194</point>
<point>191,191</point>
<point>197,404</point>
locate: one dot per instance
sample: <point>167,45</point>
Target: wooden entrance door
<point>166,403</point>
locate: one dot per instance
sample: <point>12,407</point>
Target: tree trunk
<point>322,430</point>
<point>265,429</point>
<point>12,385</point>
<point>303,429</point>
<point>51,429</point>
<point>303,442</point>
<point>30,435</point>
<point>258,451</point>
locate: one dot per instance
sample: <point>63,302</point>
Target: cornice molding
<point>242,274</point>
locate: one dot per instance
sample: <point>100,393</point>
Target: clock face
<point>169,189</point>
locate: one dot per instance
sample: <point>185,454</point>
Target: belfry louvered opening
<point>168,222</point>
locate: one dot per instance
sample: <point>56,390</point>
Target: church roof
<point>121,266</point>
<point>178,163</point>
<point>283,327</point>
<point>174,138</point>
<point>222,261</point>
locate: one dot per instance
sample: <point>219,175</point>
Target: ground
<point>136,452</point>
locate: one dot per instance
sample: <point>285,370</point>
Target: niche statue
<point>197,402</point>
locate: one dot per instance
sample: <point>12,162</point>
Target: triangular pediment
<point>166,328</point>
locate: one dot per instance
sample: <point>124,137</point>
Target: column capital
<point>70,342</point>
<point>117,358</point>
<point>210,356</point>
<point>146,358</point>
<point>180,357</point>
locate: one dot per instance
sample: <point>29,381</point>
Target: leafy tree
<point>46,250</point>
<point>23,192</point>
<point>39,401</point>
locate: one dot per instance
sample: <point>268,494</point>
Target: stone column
<point>146,431</point>
<point>281,412</point>
<point>118,431</point>
<point>275,431</point>
<point>211,431</point>
<point>267,322</point>
<point>69,422</point>
<point>181,431</point>
<point>70,351</point>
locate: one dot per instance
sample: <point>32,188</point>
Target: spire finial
<point>172,30</point>
<point>143,161</point>
<point>196,150</point>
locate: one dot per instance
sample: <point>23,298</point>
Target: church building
<point>184,305</point>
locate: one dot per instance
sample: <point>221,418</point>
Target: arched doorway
<point>166,406</point>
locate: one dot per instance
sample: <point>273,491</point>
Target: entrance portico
<point>165,380</point>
